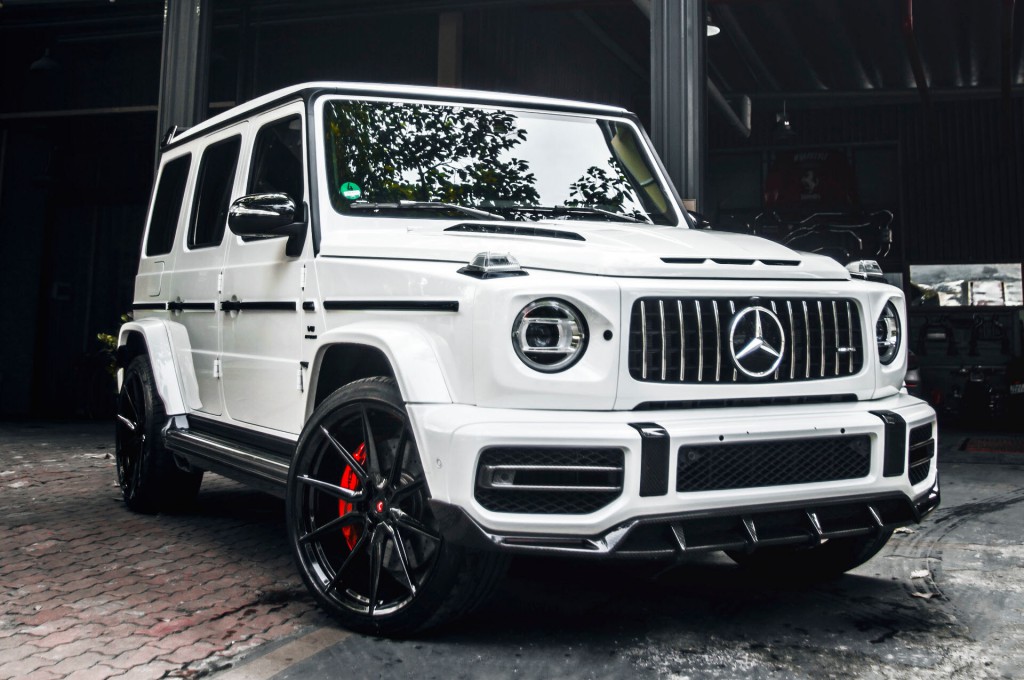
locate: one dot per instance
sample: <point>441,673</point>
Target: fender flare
<point>413,360</point>
<point>170,354</point>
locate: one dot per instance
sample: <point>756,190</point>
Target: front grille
<point>687,340</point>
<point>548,480</point>
<point>709,467</point>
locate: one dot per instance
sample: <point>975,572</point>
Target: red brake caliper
<point>351,482</point>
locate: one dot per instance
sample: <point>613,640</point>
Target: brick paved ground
<point>89,589</point>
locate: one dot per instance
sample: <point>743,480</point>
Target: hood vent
<point>730,261</point>
<point>508,230</point>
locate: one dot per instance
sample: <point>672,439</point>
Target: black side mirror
<point>699,220</point>
<point>269,216</point>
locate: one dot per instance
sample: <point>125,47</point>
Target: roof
<point>305,90</point>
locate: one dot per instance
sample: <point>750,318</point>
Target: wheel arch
<point>402,354</point>
<point>167,345</point>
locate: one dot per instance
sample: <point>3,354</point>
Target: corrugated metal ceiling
<point>818,46</point>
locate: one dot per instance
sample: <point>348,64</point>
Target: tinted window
<point>210,211</point>
<point>277,159</point>
<point>167,206</point>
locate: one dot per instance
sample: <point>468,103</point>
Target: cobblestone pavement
<point>89,589</point>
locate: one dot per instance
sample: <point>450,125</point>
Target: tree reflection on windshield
<point>381,156</point>
<point>420,152</point>
<point>608,190</point>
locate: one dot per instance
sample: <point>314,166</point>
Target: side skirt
<point>253,458</point>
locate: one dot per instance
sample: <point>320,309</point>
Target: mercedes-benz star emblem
<point>756,341</point>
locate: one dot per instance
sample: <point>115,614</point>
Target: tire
<point>146,472</point>
<point>825,561</point>
<point>362,534</point>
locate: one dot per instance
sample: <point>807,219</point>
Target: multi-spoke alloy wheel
<point>149,479</point>
<point>365,540</point>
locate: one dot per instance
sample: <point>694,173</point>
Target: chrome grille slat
<point>807,343</point>
<point>821,334</point>
<point>643,334</point>
<point>700,344</point>
<point>835,326</point>
<point>682,343</point>
<point>732,312</point>
<point>776,377</point>
<point>718,343</point>
<point>676,350</point>
<point>664,363</point>
<point>792,342</point>
<point>849,333</point>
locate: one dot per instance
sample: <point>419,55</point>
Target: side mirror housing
<point>699,220</point>
<point>269,216</point>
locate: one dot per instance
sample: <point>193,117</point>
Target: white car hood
<point>586,247</point>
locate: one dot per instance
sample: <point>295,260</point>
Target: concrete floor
<point>93,591</point>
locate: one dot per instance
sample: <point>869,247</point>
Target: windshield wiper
<point>424,205</point>
<point>577,210</point>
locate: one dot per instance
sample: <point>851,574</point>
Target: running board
<point>245,463</point>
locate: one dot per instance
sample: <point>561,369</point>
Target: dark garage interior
<point>865,129</point>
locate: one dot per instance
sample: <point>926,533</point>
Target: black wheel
<point>148,476</point>
<point>812,563</point>
<point>364,538</point>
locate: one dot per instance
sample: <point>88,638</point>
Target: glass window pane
<point>525,165</point>
<point>170,194</point>
<point>277,160</point>
<point>213,193</point>
<point>966,285</point>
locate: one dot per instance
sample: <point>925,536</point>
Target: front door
<point>264,381</point>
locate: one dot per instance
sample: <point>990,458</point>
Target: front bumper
<point>451,439</point>
<point>748,528</point>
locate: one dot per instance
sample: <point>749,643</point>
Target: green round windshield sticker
<point>350,190</point>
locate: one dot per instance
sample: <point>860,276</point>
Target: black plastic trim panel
<point>654,453</point>
<point>392,305</point>
<point>895,456</point>
<point>150,306</point>
<point>745,401</point>
<point>269,306</point>
<point>192,306</point>
<point>506,230</point>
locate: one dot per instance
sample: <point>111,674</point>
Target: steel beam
<point>184,64</point>
<point>679,92</point>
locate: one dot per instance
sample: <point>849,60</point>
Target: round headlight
<point>549,335</point>
<point>887,334</point>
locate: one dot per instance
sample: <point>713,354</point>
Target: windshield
<point>393,159</point>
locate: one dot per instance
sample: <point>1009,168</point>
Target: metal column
<point>184,64</point>
<point>678,92</point>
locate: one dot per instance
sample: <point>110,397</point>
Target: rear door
<point>195,288</point>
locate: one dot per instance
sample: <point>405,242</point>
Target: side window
<point>277,159</point>
<point>170,194</point>
<point>213,192</point>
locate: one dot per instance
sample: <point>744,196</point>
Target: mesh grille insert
<point>708,467</point>
<point>548,480</point>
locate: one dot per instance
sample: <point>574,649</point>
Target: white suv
<point>448,326</point>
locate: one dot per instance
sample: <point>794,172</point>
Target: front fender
<point>413,359</point>
<point>170,355</point>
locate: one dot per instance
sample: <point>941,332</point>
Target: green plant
<point>108,345</point>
